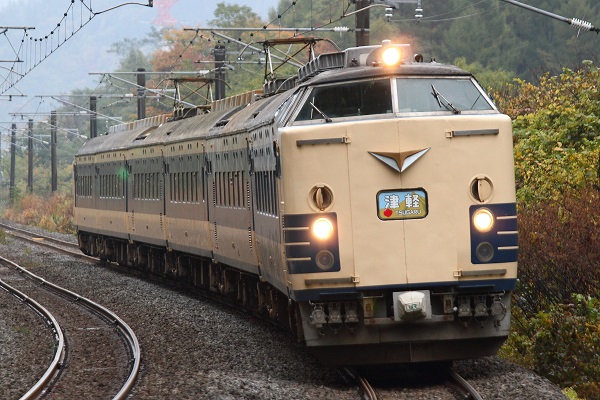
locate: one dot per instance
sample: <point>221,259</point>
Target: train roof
<point>221,121</point>
<point>405,69</point>
<point>251,110</point>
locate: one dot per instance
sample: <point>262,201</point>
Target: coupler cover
<point>413,305</point>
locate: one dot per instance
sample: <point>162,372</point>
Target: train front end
<point>399,218</point>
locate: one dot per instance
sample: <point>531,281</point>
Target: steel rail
<point>367,388</point>
<point>108,315</point>
<point>362,382</point>
<point>47,242</point>
<point>472,394</point>
<point>59,353</point>
<point>46,238</point>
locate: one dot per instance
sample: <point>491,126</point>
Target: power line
<point>33,50</point>
<point>574,22</point>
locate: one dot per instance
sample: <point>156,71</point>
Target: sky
<point>86,51</point>
<point>187,12</point>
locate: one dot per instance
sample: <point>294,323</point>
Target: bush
<point>557,169</point>
<point>54,213</point>
<point>559,250</point>
<point>562,344</point>
<point>556,133</point>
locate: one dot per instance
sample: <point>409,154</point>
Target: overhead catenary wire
<point>34,50</point>
<point>574,22</point>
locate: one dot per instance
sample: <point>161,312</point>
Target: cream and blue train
<point>368,204</point>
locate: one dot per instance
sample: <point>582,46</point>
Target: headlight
<point>325,260</point>
<point>391,56</point>
<point>322,228</point>
<point>483,219</point>
<point>484,252</point>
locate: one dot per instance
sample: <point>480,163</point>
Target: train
<point>367,204</point>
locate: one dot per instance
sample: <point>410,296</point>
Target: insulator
<point>581,24</point>
<point>341,29</point>
<point>419,13</point>
<point>388,12</point>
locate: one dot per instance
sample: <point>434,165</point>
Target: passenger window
<point>347,100</point>
<point>440,94</point>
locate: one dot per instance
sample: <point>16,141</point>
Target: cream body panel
<point>308,165</point>
<point>107,221</point>
<point>379,249</point>
<point>188,232</point>
<point>145,217</point>
<point>439,246</point>
<point>84,216</point>
<point>234,246</point>
<point>146,226</point>
<point>86,219</point>
<point>375,252</point>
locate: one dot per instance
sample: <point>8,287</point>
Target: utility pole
<point>53,150</point>
<point>219,53</point>
<point>13,145</point>
<point>93,117</point>
<point>362,23</point>
<point>141,83</point>
<point>30,156</point>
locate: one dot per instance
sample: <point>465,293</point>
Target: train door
<point>230,215</point>
<point>205,167</point>
<point>376,186</point>
<point>263,149</point>
<point>431,239</point>
<point>211,188</point>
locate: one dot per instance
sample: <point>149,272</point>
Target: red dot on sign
<point>387,212</point>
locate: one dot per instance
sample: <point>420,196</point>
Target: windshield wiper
<point>437,95</point>
<point>312,104</point>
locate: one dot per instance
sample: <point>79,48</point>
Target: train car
<point>368,205</point>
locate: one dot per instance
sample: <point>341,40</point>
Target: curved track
<point>116,324</point>
<point>468,392</point>
<point>365,387</point>
<point>59,340</point>
<point>457,385</point>
<point>60,245</point>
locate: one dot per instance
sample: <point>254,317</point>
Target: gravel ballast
<point>194,348</point>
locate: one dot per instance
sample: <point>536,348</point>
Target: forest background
<point>540,71</point>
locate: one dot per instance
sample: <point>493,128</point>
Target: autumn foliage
<point>556,321</point>
<point>54,213</point>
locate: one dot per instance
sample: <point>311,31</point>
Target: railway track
<point>69,248</point>
<point>96,354</point>
<point>58,337</point>
<point>455,386</point>
<point>464,390</point>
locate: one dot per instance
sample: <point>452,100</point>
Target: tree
<point>491,80</point>
<point>557,145</point>
<point>235,16</point>
<point>315,14</point>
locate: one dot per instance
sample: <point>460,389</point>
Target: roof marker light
<point>391,56</point>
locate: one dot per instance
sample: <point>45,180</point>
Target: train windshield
<point>347,100</point>
<point>440,94</point>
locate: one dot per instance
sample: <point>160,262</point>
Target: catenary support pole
<point>53,161</point>
<point>93,117</point>
<point>13,146</point>
<point>30,156</point>
<point>141,81</point>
